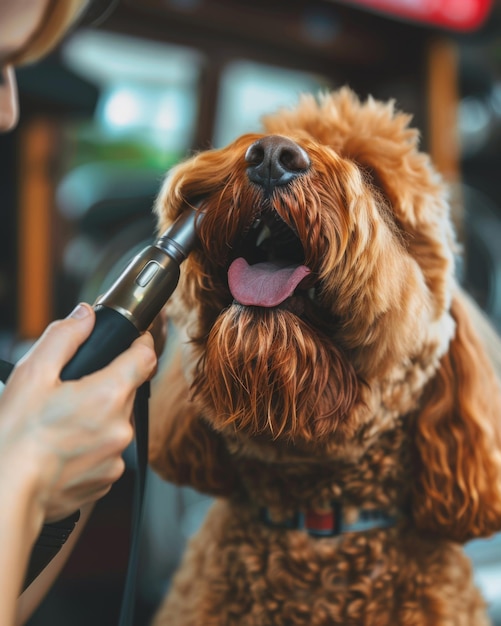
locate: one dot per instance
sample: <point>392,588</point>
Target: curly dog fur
<point>367,388</point>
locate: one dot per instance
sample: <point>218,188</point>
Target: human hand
<point>68,437</point>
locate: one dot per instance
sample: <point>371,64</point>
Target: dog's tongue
<point>264,284</point>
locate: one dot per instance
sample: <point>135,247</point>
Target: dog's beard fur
<point>269,371</point>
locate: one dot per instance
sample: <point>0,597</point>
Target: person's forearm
<point>20,523</point>
<point>32,597</point>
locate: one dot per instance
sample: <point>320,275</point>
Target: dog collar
<point>329,522</point>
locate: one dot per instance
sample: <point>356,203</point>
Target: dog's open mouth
<point>270,266</point>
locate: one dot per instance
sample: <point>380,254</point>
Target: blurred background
<point>140,84</point>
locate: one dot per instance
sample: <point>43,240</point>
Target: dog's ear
<point>183,448</point>
<point>458,437</point>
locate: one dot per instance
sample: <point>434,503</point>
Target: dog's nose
<point>275,160</point>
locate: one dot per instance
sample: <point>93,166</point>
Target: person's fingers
<point>133,367</point>
<point>87,486</point>
<point>106,471</point>
<point>61,340</point>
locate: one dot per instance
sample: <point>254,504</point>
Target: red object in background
<point>460,15</point>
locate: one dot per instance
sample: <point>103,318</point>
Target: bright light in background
<point>148,89</point>
<point>163,114</point>
<point>122,108</point>
<point>172,106</point>
<point>474,121</point>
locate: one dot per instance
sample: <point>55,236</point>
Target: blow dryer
<point>134,300</point>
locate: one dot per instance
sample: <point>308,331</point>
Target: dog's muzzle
<point>269,268</point>
<point>274,161</point>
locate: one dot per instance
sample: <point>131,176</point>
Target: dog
<point>329,386</point>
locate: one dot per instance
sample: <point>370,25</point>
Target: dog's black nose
<point>275,160</point>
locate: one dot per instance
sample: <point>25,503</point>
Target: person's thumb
<point>61,340</point>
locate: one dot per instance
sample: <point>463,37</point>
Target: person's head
<point>29,29</point>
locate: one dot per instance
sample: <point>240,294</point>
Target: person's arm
<point>33,595</point>
<point>61,443</point>
<point>20,522</point>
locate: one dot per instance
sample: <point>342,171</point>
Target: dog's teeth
<point>311,293</point>
<point>263,236</point>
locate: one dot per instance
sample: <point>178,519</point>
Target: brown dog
<point>330,386</point>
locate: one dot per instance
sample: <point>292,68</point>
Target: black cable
<point>141,427</point>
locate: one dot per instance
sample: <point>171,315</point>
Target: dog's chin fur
<point>303,391</point>
<point>374,391</point>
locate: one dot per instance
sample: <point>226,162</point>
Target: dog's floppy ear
<point>458,437</point>
<point>183,449</point>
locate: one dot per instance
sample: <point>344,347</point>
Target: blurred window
<point>149,92</point>
<point>250,90</point>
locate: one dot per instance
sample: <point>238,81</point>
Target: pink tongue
<point>264,284</point>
